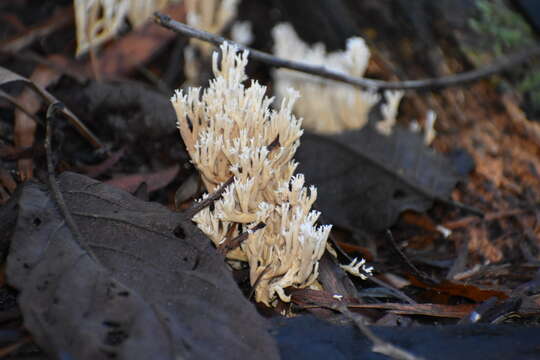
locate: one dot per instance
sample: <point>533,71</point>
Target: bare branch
<point>231,244</point>
<point>499,65</point>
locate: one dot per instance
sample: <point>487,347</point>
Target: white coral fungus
<point>355,266</point>
<point>211,16</point>
<point>328,106</point>
<point>230,130</point>
<point>99,20</point>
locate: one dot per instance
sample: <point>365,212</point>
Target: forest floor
<point>469,257</point>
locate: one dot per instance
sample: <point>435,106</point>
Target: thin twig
<point>231,244</point>
<point>335,244</point>
<point>404,257</point>
<point>193,210</point>
<point>379,345</point>
<point>53,110</point>
<point>259,278</point>
<point>423,84</point>
<point>398,293</point>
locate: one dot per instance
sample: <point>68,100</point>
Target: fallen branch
<point>423,84</point>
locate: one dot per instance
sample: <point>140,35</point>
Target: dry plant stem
<point>231,244</point>
<point>379,345</point>
<point>404,257</point>
<point>192,211</point>
<point>257,282</point>
<point>53,110</point>
<point>85,132</point>
<point>370,84</point>
<point>398,293</point>
<point>336,246</point>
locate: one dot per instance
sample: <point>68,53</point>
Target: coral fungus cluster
<point>231,131</point>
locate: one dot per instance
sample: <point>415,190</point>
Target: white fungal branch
<point>242,33</point>
<point>230,130</point>
<point>99,20</point>
<point>211,16</point>
<point>355,266</point>
<point>389,111</point>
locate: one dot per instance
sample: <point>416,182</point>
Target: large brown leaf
<point>151,294</point>
<point>365,179</point>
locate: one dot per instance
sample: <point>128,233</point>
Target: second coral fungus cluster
<point>328,106</point>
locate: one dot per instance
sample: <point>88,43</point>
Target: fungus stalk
<point>228,129</point>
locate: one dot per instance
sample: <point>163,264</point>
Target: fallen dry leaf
<point>151,294</point>
<point>365,179</point>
